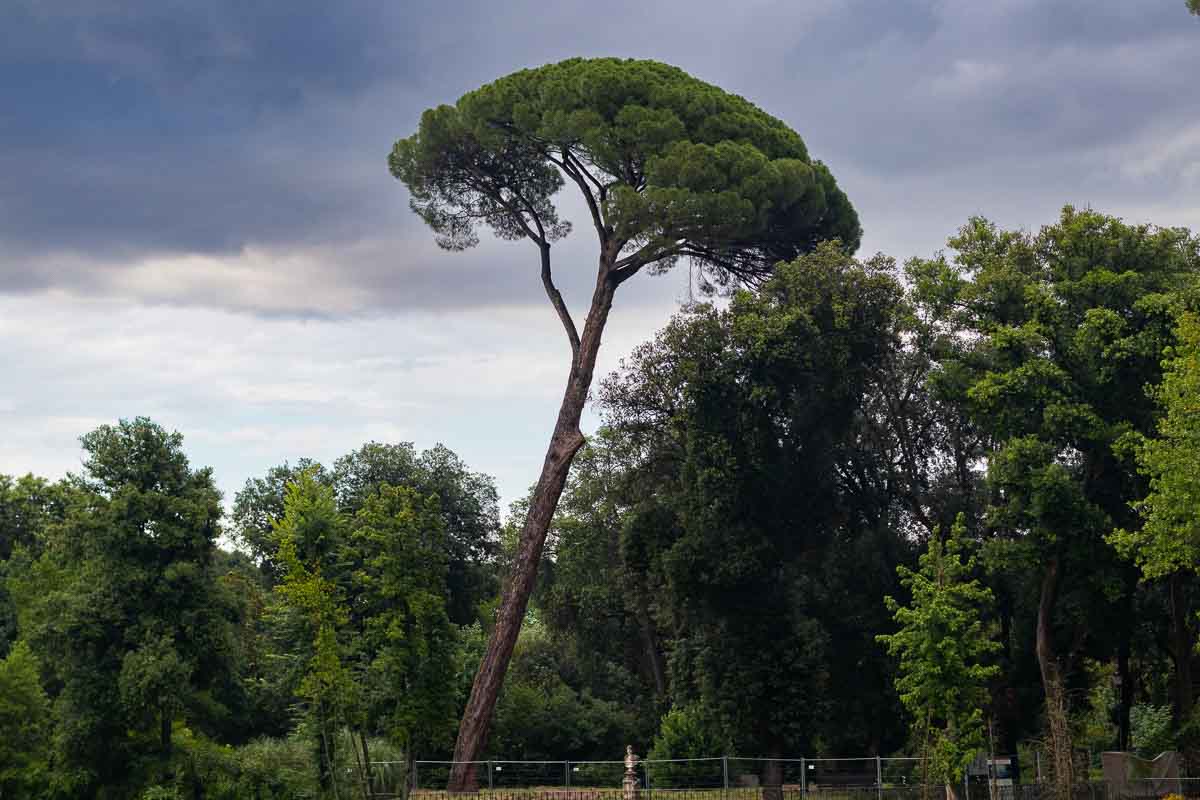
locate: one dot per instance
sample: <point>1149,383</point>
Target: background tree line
<point>794,491</point>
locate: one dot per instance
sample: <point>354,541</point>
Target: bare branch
<point>627,267</point>
<point>647,254</point>
<point>556,300</point>
<point>600,187</point>
<point>568,165</point>
<point>483,186</point>
<point>541,237</point>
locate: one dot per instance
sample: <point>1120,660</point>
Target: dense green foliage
<point>24,725</point>
<point>747,559</point>
<point>140,655</point>
<point>1050,341</point>
<point>1169,540</point>
<point>123,609</point>
<point>671,167</point>
<point>745,417</point>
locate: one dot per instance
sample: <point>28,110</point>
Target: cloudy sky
<point>197,222</point>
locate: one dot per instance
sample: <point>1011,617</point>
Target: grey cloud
<point>158,133</point>
<point>991,81</point>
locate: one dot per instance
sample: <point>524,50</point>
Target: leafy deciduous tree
<point>942,646</point>
<point>468,501</point>
<point>1169,539</point>
<point>1056,335</point>
<point>122,605</point>
<point>747,417</point>
<point>1168,542</point>
<point>24,726</point>
<point>397,599</point>
<point>308,534</point>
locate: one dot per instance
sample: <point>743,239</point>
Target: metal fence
<point>734,778</point>
<point>842,776</point>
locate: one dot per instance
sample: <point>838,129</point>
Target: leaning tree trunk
<point>564,444</point>
<point>1052,683</point>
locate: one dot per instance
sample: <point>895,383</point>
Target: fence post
<point>967,784</point>
<point>567,773</point>
<point>416,786</point>
<point>803,777</point>
<point>725,771</point>
<point>489,775</point>
<point>879,776</point>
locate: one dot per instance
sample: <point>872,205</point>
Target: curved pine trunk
<point>564,444</point>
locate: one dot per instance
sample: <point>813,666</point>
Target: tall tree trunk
<point>325,754</point>
<point>1125,701</point>
<point>1052,683</point>
<point>564,444</point>
<point>654,657</point>
<point>364,760</point>
<point>772,773</point>
<point>1125,629</point>
<point>1182,645</point>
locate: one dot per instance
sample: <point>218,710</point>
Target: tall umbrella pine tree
<point>669,168</point>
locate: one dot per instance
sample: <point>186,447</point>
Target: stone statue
<point>630,784</point>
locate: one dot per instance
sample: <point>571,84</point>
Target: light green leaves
<point>943,645</point>
<point>24,726</point>
<point>1170,537</point>
<point>371,590</point>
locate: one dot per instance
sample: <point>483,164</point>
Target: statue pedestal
<point>629,786</point>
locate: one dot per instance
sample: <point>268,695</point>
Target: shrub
<point>1151,729</point>
<point>686,732</point>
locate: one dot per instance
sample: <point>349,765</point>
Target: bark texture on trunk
<point>368,782</point>
<point>564,444</point>
<point>1182,646</point>
<point>1052,683</point>
<point>1125,700</point>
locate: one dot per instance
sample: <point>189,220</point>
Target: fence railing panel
<point>744,778</point>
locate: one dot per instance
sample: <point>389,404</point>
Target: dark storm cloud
<point>254,134</point>
<point>172,125</point>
